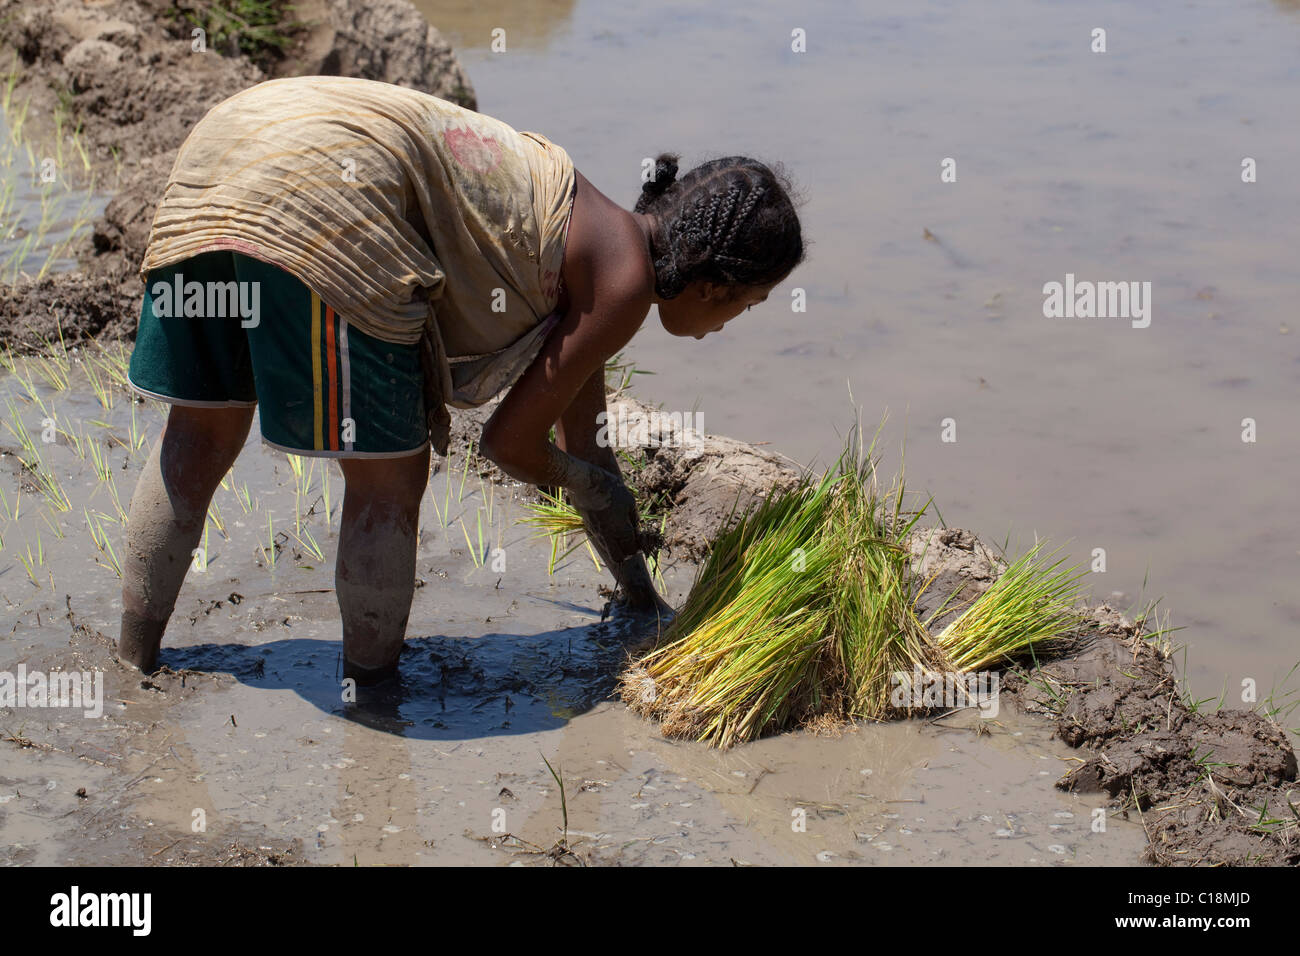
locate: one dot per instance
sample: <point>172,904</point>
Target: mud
<point>506,661</point>
<point>1211,787</point>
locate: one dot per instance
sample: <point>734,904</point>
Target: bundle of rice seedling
<point>1029,607</point>
<point>801,612</point>
<point>879,631</point>
<point>751,646</point>
<point>804,613</point>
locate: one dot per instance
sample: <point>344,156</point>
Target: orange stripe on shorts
<point>331,355</point>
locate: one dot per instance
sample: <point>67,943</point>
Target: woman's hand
<point>609,515</point>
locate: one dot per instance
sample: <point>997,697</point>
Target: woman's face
<point>705,307</point>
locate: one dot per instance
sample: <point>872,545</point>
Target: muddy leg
<point>374,575</point>
<point>197,448</point>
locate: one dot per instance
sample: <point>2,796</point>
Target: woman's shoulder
<point>606,252</point>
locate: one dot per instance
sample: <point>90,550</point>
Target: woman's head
<point>721,238</point>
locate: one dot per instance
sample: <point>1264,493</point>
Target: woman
<point>352,257</point>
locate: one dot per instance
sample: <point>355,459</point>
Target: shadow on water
<point>447,688</point>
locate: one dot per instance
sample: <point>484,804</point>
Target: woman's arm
<point>614,530</point>
<point>572,359</point>
<point>608,298</point>
<point>515,438</point>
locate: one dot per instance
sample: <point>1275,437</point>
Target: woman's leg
<point>168,509</point>
<point>374,577</point>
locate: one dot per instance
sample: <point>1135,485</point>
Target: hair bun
<point>664,176</point>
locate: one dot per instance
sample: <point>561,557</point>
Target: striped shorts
<point>222,329</point>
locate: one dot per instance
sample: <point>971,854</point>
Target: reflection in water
<point>468,24</point>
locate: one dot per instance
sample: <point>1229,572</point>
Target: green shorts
<point>223,329</point>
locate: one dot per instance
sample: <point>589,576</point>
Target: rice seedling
<point>1029,606</point>
<point>16,119</point>
<point>309,544</point>
<point>53,526</point>
<point>63,117</point>
<point>469,453</point>
<point>117,502</point>
<point>103,543</point>
<point>214,516</point>
<point>99,382</point>
<point>804,611</point>
<point>55,363</point>
<point>137,434</point>
<point>244,497</point>
<point>268,552</point>
<point>74,441</point>
<point>13,424</point>
<point>12,515</point>
<point>652,560</point>
<point>325,499</point>
<point>442,513</point>
<point>564,803</point>
<point>302,473</point>
<point>31,562</point>
<point>299,472</point>
<point>477,554</point>
<point>1275,706</point>
<point>113,361</point>
<point>556,518</point>
<point>619,373</point>
<point>46,481</point>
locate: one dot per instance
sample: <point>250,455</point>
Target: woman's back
<point>381,199</point>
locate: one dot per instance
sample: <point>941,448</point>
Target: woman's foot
<point>139,642</point>
<point>368,676</point>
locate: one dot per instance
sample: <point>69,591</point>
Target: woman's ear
<point>713,291</point>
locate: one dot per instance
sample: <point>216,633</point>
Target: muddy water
<point>1122,166</point>
<point>246,748</point>
<point>47,199</point>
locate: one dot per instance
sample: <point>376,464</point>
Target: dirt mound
<point>699,480</point>
<point>1212,787</point>
<point>959,568</point>
<point>385,40</point>
<point>104,305</point>
<point>126,73</point>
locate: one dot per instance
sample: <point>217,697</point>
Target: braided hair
<point>729,221</point>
